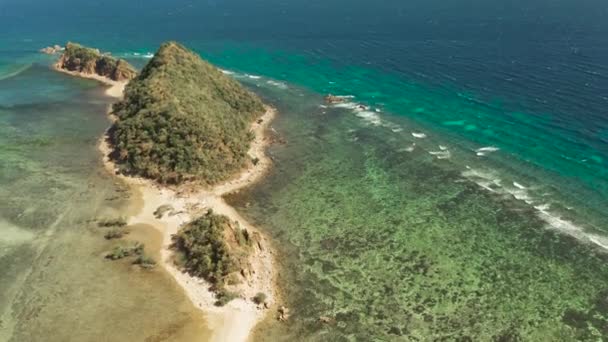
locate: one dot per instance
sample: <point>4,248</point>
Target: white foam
<point>253,77</point>
<point>277,84</point>
<point>227,72</point>
<point>419,135</point>
<point>485,150</point>
<point>370,117</point>
<point>519,186</point>
<point>407,149</point>
<point>443,148</point>
<point>441,154</point>
<point>397,129</point>
<point>486,180</point>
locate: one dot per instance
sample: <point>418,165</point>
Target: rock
<point>51,50</point>
<point>283,313</point>
<point>331,99</point>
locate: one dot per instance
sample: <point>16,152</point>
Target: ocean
<point>459,193</point>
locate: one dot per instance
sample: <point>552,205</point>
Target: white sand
<point>116,87</point>
<point>236,320</point>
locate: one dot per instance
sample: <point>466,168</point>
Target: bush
<point>182,119</point>
<point>259,298</point>
<point>120,252</point>
<point>112,222</point>
<point>115,234</point>
<point>205,252</point>
<point>162,210</point>
<point>224,297</point>
<point>145,261</point>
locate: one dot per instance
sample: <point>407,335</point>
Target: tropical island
<point>184,134</point>
<point>84,60</point>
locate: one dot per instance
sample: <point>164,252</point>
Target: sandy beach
<point>236,320</point>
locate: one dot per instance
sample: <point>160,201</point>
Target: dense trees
<point>91,61</point>
<point>204,249</point>
<point>182,120</point>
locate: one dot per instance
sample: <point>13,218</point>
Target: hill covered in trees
<point>183,120</point>
<point>78,58</point>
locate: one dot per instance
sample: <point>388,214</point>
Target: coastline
<point>236,320</point>
<point>115,89</point>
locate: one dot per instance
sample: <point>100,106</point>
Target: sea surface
<point>460,191</point>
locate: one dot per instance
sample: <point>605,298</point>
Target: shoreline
<point>236,320</point>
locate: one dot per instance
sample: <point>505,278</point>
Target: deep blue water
<point>517,91</point>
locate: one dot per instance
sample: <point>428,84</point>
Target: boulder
<point>332,99</point>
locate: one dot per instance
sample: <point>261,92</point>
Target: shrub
<point>112,222</point>
<point>145,261</point>
<point>120,252</point>
<point>115,234</point>
<point>224,297</point>
<point>162,210</point>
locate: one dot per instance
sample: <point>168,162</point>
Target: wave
<point>419,135</point>
<point>277,84</point>
<point>135,55</point>
<point>16,71</point>
<point>370,117</point>
<point>253,77</point>
<point>410,148</point>
<point>441,154</point>
<point>485,150</point>
<point>227,72</point>
<point>519,186</point>
<point>488,180</point>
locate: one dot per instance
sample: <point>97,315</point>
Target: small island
<point>83,60</point>
<point>183,120</point>
<point>183,135</point>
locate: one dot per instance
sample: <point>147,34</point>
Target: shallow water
<point>400,245</point>
<point>55,281</point>
<point>432,213</point>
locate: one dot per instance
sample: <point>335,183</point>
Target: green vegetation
<point>145,261</point>
<point>206,253</point>
<point>224,297</point>
<point>112,222</point>
<point>259,298</point>
<point>120,252</point>
<point>91,61</point>
<point>162,210</point>
<point>115,233</point>
<point>182,120</point>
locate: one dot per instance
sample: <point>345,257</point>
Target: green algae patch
<point>401,247</point>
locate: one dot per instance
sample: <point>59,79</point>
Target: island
<point>80,59</point>
<point>183,135</point>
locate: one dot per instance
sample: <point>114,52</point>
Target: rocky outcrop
<point>52,50</point>
<point>332,99</point>
<point>77,58</point>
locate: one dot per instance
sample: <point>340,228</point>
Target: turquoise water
<point>468,200</point>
